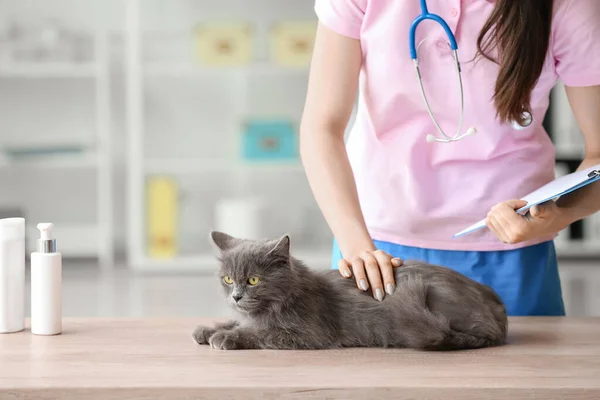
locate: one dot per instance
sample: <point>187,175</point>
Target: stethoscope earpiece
<point>471,131</point>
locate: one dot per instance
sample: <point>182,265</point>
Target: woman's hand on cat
<point>511,227</point>
<point>373,269</point>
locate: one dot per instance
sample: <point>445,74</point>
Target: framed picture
<point>225,44</point>
<point>269,140</point>
<point>161,216</point>
<point>292,43</point>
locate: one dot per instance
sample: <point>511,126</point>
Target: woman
<point>390,195</point>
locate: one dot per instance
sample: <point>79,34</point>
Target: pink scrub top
<point>416,193</point>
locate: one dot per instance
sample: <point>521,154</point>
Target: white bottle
<point>12,275</point>
<point>46,285</point>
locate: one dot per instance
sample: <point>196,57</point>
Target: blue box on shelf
<point>269,140</point>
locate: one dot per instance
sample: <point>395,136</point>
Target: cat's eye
<point>253,280</point>
<point>227,279</point>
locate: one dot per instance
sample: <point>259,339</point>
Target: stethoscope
<point>425,14</point>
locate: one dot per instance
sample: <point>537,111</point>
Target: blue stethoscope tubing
<point>426,15</point>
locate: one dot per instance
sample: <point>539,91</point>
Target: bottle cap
<point>12,229</point>
<point>46,242</point>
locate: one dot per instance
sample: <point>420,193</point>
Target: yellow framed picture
<point>224,44</point>
<point>161,217</point>
<point>292,42</point>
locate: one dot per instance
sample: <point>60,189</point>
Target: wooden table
<point>547,358</point>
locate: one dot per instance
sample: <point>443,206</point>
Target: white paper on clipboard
<point>551,191</point>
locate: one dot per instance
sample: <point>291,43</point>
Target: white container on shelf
<point>241,217</point>
<point>12,275</point>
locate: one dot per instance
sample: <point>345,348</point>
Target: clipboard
<point>551,191</point>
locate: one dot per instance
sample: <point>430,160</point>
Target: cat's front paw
<point>226,340</point>
<point>202,334</point>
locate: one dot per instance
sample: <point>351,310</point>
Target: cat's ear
<point>222,240</point>
<point>281,246</point>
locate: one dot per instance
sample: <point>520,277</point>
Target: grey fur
<point>293,307</point>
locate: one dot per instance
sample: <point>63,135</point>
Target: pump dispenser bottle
<point>46,285</point>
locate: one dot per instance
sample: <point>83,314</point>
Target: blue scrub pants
<point>526,279</point>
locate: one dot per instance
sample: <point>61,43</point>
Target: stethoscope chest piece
<point>526,120</point>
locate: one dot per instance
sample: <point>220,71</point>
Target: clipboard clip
<point>594,174</point>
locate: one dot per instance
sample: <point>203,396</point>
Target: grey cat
<point>282,304</point>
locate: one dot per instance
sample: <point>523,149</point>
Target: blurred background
<point>136,126</point>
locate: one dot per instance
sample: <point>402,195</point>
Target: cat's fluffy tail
<point>461,340</point>
<point>419,328</point>
<point>426,330</point>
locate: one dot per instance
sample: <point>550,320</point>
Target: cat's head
<point>255,274</point>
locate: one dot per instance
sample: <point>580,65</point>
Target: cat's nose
<point>237,297</point>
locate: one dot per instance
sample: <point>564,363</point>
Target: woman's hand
<point>374,268</point>
<point>510,227</point>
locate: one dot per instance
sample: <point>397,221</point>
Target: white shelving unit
<point>48,70</point>
<point>177,69</point>
<point>141,75</point>
<point>577,249</point>
<point>182,166</point>
<point>88,240</point>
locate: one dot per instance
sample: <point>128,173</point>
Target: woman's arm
<point>331,93</point>
<point>585,103</point>
<point>552,217</point>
